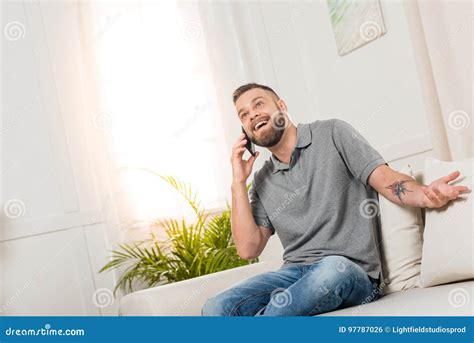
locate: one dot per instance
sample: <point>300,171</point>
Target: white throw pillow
<point>448,254</point>
<point>400,244</point>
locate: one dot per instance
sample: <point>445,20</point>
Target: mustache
<point>278,120</point>
<point>255,121</point>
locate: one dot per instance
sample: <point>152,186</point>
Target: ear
<point>282,105</point>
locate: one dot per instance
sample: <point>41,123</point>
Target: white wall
<point>375,88</point>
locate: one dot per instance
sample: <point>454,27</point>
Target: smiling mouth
<point>260,125</point>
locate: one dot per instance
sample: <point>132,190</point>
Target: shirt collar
<point>303,139</point>
<point>303,135</point>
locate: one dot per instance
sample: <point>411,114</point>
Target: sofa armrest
<point>186,298</point>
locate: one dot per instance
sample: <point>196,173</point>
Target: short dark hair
<point>242,89</point>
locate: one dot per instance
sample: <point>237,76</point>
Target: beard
<point>269,137</point>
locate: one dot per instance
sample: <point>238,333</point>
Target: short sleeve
<point>359,156</point>
<point>259,214</point>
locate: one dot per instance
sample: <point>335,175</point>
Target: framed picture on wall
<point>355,23</point>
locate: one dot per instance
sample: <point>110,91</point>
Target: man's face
<point>258,112</point>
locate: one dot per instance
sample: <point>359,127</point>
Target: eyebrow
<point>258,97</point>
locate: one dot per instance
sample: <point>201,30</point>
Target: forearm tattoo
<point>398,188</point>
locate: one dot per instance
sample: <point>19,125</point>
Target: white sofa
<point>186,298</point>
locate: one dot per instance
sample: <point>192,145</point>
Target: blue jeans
<point>334,282</point>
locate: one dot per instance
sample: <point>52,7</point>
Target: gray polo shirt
<point>320,203</point>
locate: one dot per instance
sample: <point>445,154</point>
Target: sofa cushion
<point>448,235</point>
<point>400,244</point>
<point>446,300</point>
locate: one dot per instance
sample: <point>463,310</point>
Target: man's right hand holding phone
<point>241,168</point>
<point>249,238</point>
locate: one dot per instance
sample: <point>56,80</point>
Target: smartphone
<point>249,145</point>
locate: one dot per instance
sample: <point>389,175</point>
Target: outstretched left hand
<point>440,192</point>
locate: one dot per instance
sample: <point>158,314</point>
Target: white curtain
<point>238,57</point>
<point>448,32</point>
<point>154,106</point>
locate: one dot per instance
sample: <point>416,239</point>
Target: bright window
<point>160,105</point>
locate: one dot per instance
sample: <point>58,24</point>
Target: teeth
<point>260,124</point>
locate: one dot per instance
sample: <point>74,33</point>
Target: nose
<point>254,114</point>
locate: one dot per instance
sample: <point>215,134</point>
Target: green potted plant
<point>191,249</point>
